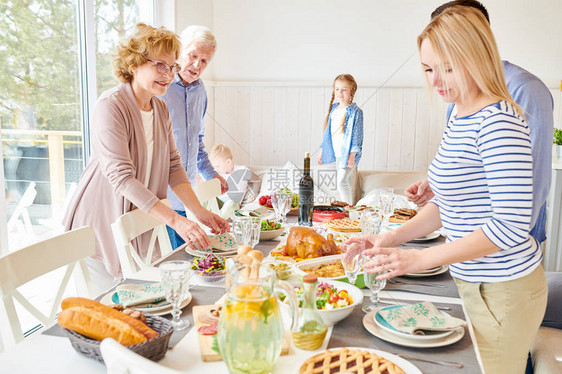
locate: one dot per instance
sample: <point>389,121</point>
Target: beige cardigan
<point>111,183</point>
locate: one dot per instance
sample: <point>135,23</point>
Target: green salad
<point>267,225</point>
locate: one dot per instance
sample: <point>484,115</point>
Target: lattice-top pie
<point>343,225</point>
<point>348,361</point>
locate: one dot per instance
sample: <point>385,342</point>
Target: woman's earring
<point>350,100</point>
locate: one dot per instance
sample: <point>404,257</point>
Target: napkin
<point>417,318</point>
<point>223,242</point>
<point>147,296</point>
<point>258,212</point>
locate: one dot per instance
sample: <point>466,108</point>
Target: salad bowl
<point>270,230</point>
<point>210,268</point>
<point>332,315</point>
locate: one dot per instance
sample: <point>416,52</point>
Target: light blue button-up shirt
<point>536,100</point>
<point>352,137</point>
<point>188,105</point>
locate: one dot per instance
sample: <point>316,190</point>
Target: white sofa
<point>365,181</point>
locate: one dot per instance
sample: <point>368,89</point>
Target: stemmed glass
<point>281,201</point>
<point>374,285</point>
<point>175,276</point>
<point>370,222</point>
<point>351,259</point>
<point>246,230</point>
<point>386,202</point>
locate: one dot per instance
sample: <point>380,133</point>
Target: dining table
<point>49,350</point>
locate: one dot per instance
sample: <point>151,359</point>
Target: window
<point>43,113</point>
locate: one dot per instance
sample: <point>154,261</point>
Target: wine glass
<point>281,201</point>
<point>386,203</point>
<point>374,285</point>
<point>175,276</point>
<point>246,230</point>
<point>370,222</point>
<point>351,259</point>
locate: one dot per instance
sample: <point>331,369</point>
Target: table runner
<point>350,332</point>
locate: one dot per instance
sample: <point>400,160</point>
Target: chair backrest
<point>121,360</point>
<point>129,226</point>
<point>21,210</point>
<point>207,192</point>
<point>17,268</point>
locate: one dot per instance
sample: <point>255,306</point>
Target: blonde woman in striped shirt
<point>482,180</point>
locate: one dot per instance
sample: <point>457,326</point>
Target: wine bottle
<point>306,194</point>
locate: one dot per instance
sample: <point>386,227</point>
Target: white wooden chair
<point>129,226</point>
<point>121,360</point>
<point>19,220</point>
<point>18,268</point>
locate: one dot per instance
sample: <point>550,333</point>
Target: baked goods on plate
<point>402,215</point>
<point>345,360</point>
<point>343,225</point>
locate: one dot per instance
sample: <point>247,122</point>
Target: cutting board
<point>206,341</point>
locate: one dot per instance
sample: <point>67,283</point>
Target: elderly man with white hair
<point>187,101</point>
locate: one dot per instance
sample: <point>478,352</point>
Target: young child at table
<point>343,135</point>
<point>241,181</point>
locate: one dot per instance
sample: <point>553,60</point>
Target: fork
<point>399,281</point>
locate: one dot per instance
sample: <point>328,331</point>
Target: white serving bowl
<point>271,234</point>
<point>333,316</point>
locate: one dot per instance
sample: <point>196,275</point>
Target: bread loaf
<point>108,312</point>
<point>98,325</point>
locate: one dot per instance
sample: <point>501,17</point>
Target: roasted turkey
<point>304,242</point>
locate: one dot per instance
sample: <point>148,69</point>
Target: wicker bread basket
<point>153,349</point>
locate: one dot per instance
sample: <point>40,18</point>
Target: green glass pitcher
<point>250,333</point>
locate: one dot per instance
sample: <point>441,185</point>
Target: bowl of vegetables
<point>334,300</point>
<point>209,267</point>
<point>270,230</point>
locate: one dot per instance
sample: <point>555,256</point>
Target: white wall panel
<point>269,124</point>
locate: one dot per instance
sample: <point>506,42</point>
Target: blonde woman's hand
<point>214,222</point>
<point>419,193</point>
<point>393,262</point>
<point>319,158</point>
<point>190,231</point>
<point>371,241</point>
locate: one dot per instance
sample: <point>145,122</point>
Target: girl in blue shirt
<point>343,135</point>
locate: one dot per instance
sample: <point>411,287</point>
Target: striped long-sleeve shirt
<point>482,178</point>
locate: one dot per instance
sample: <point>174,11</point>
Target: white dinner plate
<point>428,273</point>
<point>432,335</point>
<point>198,253</point>
<point>106,300</point>
<point>404,364</point>
<point>431,236</point>
<point>373,328</point>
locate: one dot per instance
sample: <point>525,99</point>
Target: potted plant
<point>557,139</point>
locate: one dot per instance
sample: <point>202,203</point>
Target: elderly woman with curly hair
<point>134,156</point>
